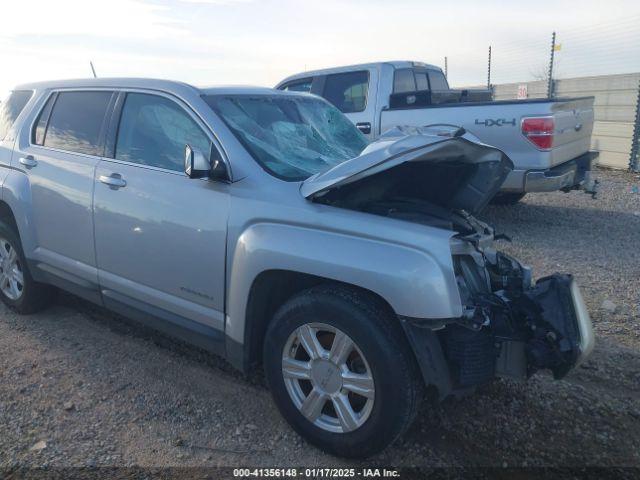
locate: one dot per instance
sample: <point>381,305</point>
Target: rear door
<point>59,155</point>
<point>160,236</point>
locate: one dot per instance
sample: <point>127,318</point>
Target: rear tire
<point>18,289</point>
<point>352,418</point>
<point>507,198</point>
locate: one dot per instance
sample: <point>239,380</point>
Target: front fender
<point>416,283</point>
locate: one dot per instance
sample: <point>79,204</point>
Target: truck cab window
<point>347,91</point>
<point>403,81</point>
<point>438,81</point>
<point>421,81</point>
<point>299,85</point>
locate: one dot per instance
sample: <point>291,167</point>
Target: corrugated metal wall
<point>615,109</point>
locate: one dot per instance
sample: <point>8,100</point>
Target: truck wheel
<point>507,198</point>
<point>18,290</point>
<point>340,370</point>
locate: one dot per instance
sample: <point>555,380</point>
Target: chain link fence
<point>601,60</point>
<point>634,159</point>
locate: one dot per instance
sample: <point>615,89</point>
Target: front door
<point>160,236</point>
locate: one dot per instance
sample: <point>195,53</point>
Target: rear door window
<point>77,121</point>
<point>11,108</point>
<point>347,91</point>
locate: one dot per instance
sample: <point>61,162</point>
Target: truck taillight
<point>539,131</point>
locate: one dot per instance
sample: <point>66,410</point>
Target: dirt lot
<point>79,386</point>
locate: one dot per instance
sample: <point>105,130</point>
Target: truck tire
<point>341,371</point>
<point>18,289</point>
<point>507,198</point>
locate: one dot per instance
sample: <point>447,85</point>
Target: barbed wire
<point>608,47</point>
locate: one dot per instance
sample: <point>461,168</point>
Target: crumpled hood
<point>442,164</point>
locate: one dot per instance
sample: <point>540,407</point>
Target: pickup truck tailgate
<point>573,127</point>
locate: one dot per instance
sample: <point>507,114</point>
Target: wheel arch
<point>6,215</point>
<point>16,204</point>
<point>270,290</point>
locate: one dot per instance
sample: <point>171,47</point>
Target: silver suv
<point>260,225</point>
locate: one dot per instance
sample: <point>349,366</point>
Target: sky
<point>259,42</point>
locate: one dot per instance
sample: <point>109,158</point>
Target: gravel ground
<point>82,387</point>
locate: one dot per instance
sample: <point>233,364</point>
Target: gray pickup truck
<point>261,225</point>
<point>547,140</point>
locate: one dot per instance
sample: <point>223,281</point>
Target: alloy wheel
<point>11,274</point>
<point>328,378</point>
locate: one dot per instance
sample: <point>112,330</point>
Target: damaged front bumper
<point>511,326</point>
<point>541,326</point>
<point>549,324</point>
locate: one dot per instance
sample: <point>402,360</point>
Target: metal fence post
<point>489,70</point>
<point>550,76</point>
<point>446,69</point>
<point>634,158</point>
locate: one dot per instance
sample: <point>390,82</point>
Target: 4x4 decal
<point>498,122</point>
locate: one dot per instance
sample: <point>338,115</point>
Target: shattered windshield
<point>293,137</point>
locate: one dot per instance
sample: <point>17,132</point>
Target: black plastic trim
<point>428,351</point>
<point>114,122</point>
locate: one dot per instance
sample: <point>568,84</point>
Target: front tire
<point>341,371</point>
<point>18,289</point>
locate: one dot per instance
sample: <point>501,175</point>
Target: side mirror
<point>196,164</point>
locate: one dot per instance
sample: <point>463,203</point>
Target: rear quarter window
<point>11,108</point>
<point>40,128</point>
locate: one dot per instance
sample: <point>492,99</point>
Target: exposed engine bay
<point>510,325</point>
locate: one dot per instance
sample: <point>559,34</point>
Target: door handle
<point>28,161</point>
<point>114,180</point>
<point>364,127</point>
